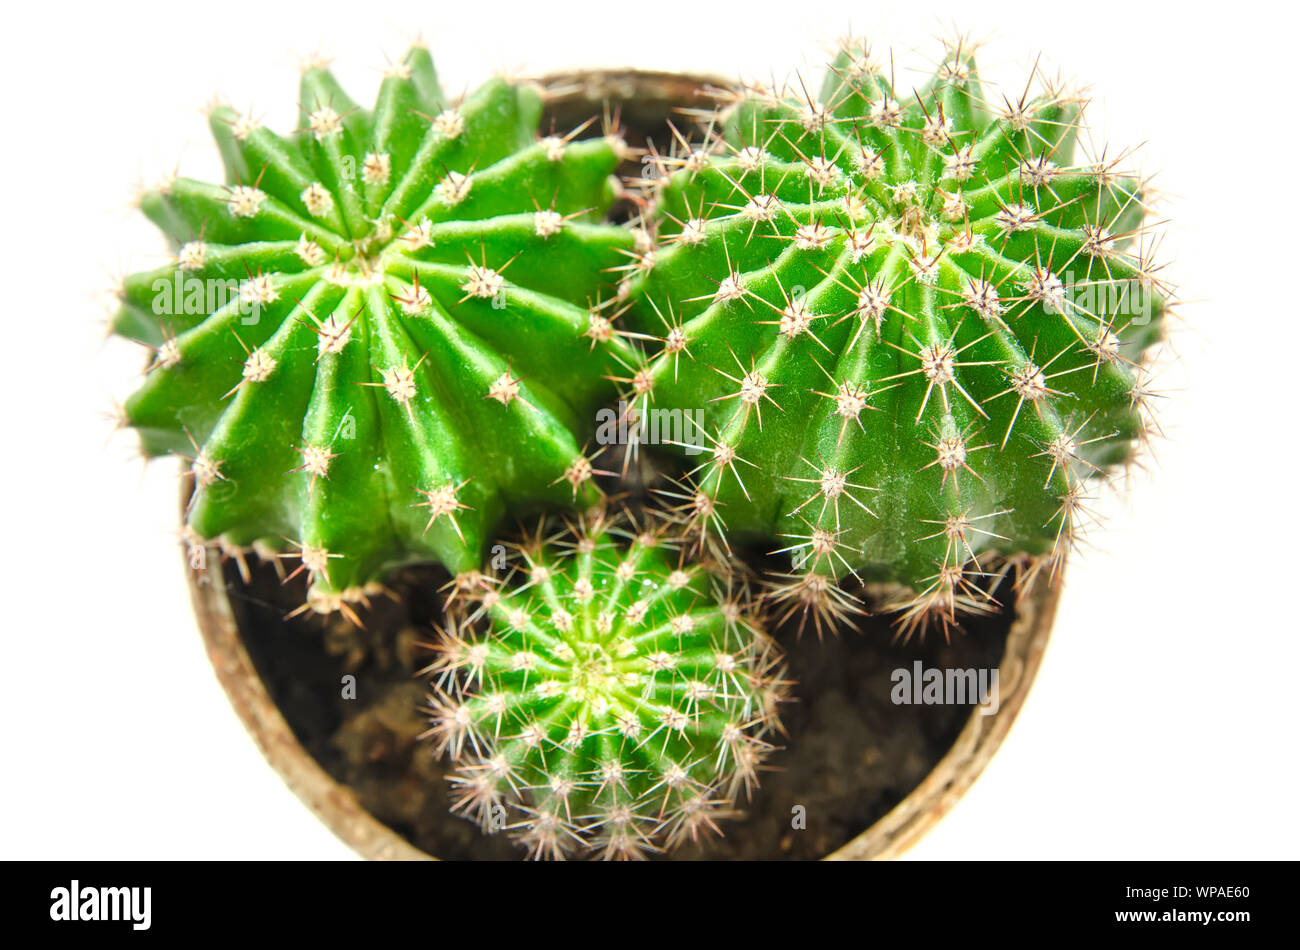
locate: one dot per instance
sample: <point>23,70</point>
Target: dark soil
<point>850,755</point>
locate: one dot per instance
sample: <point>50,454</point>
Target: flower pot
<point>958,740</point>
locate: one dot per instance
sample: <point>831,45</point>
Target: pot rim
<point>338,807</point>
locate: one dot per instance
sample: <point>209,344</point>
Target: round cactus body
<point>375,337</point>
<point>913,327</point>
<point>616,704</point>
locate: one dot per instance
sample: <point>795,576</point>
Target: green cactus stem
<point>915,325</point>
<point>374,338</point>
<point>617,702</point>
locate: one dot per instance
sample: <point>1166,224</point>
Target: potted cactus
<point>907,333</point>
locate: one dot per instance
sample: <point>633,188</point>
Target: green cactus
<point>375,337</point>
<point>915,328</point>
<point>617,703</point>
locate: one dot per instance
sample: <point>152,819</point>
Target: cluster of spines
<point>905,323</point>
<point>605,698</point>
<point>377,335</point>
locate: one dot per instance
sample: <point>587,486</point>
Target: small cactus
<point>915,326</point>
<point>617,702</point>
<point>374,338</point>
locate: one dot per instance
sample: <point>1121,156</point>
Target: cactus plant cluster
<point>617,698</point>
<point>915,325</point>
<point>374,338</point>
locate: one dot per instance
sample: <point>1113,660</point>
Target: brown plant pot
<point>644,102</point>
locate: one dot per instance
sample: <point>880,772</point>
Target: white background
<point>1163,723</point>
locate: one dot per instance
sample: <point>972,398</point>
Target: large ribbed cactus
<point>375,337</point>
<point>616,703</point>
<point>913,324</point>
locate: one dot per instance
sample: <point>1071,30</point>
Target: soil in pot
<point>851,754</point>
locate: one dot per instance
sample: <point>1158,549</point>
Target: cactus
<point>617,702</point>
<point>375,338</point>
<point>915,326</point>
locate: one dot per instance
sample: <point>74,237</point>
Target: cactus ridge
<point>606,698</point>
<point>915,327</point>
<point>375,337</point>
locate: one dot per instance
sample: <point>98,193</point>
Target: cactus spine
<point>617,701</point>
<point>374,338</point>
<point>915,326</point>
